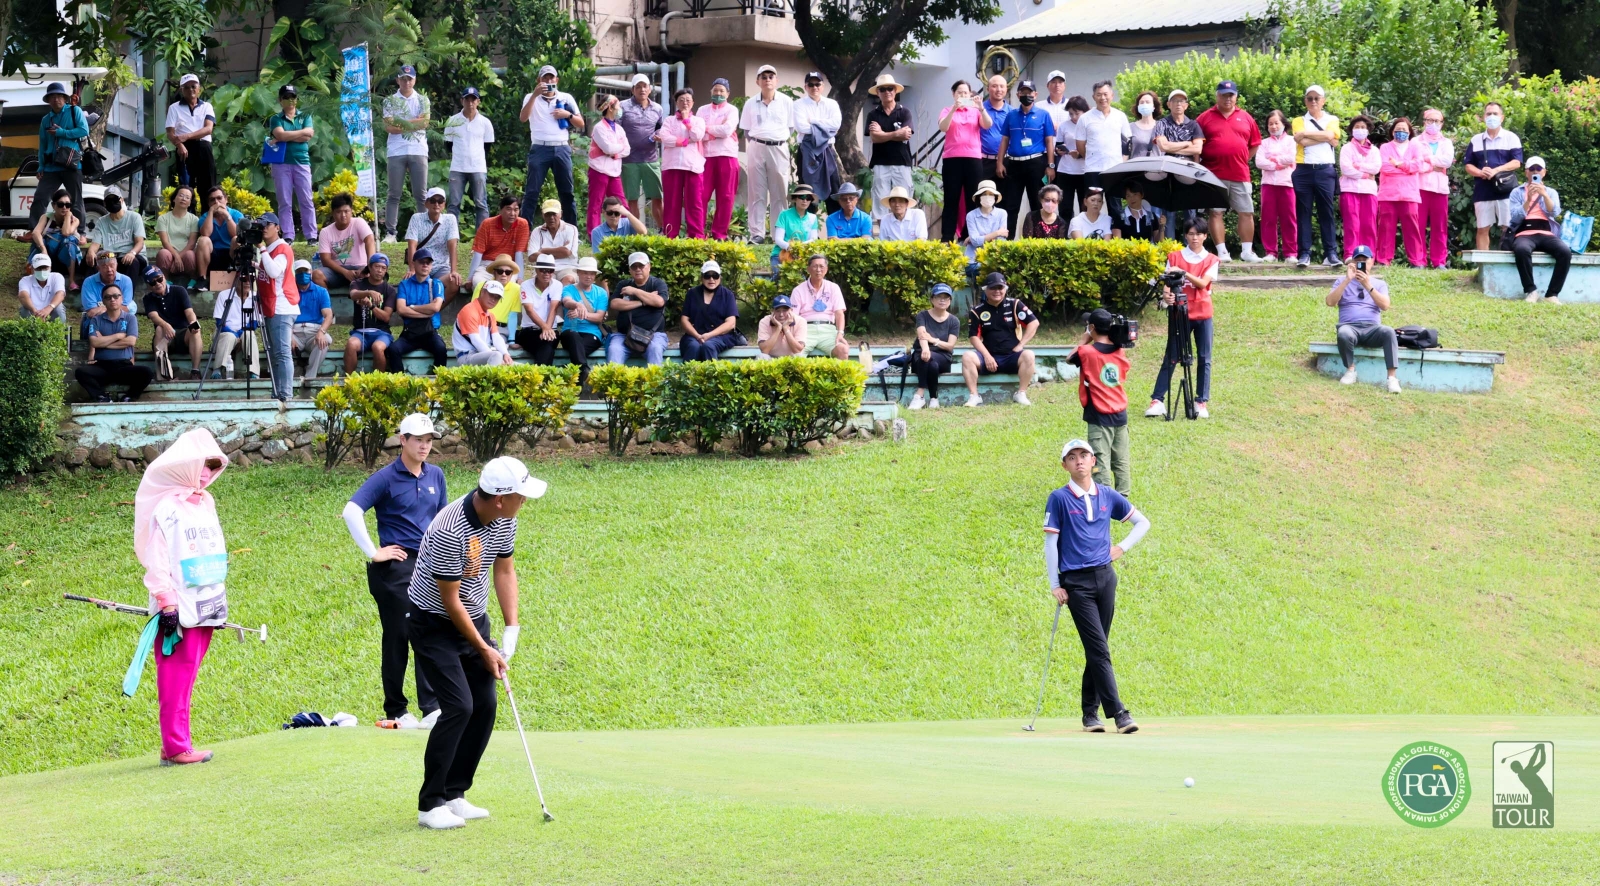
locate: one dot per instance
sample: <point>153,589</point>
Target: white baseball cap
<point>1076,444</point>
<point>432,193</point>
<point>507,476</point>
<point>1314,89</point>
<point>764,69</point>
<point>115,191</point>
<point>494,287</point>
<point>1176,92</point>
<point>1055,75</point>
<point>1535,161</point>
<point>40,260</point>
<point>417,424</point>
<point>639,78</point>
<point>638,258</point>
<point>709,266</point>
<point>302,263</point>
<point>186,79</point>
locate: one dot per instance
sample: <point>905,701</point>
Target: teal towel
<point>147,642</point>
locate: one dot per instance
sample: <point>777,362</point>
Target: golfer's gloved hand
<point>169,622</point>
<point>508,641</point>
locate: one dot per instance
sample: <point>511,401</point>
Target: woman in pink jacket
<point>1275,159</point>
<point>683,167</point>
<point>722,156</point>
<point>1434,187</point>
<point>608,144</point>
<point>179,542</point>
<point>1359,162</point>
<point>1404,161</point>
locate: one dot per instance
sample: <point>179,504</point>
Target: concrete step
<point>1302,280</point>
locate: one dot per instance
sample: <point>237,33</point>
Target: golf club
<point>1520,753</point>
<point>506,679</point>
<point>1047,653</point>
<point>113,606</point>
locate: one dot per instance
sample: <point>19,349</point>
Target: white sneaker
<point>1349,377</point>
<point>1156,410</point>
<point>428,721</point>
<point>389,238</point>
<point>917,401</point>
<point>1021,398</point>
<point>1249,255</point>
<point>440,818</point>
<point>975,401</point>
<point>1200,411</point>
<point>934,403</point>
<point>1531,297</point>
<point>1269,258</point>
<point>1552,300</point>
<point>1223,254</point>
<point>406,721</point>
<point>465,810</point>
<point>1394,385</point>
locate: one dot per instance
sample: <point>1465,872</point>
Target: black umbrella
<point>1171,183</point>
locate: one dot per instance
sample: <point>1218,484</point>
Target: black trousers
<point>1022,177</point>
<point>961,178</point>
<point>1092,600</point>
<point>198,171</point>
<point>541,352</point>
<point>388,581</point>
<point>44,196</point>
<point>95,376</point>
<point>1523,249</point>
<point>1073,187</point>
<point>467,700</point>
<point>579,345</point>
<point>1316,185</point>
<point>405,344</point>
<point>928,373</point>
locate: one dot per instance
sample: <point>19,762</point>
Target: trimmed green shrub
<point>33,354</point>
<point>492,405</point>
<point>340,429</point>
<point>1067,277</point>
<point>903,271</point>
<point>1266,81</point>
<point>630,393</point>
<point>677,261</point>
<point>702,401</point>
<point>364,409</point>
<point>811,398</point>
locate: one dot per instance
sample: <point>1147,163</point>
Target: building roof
<point>1074,18</point>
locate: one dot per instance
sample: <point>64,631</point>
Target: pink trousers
<point>684,194</point>
<point>1434,218</point>
<point>1390,212</point>
<point>1278,219</point>
<point>722,182</point>
<point>601,186</point>
<point>1360,215</point>
<point>175,676</point>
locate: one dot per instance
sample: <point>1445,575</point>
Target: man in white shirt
<point>1055,101</point>
<point>405,118</point>
<point>816,109</point>
<point>903,221</point>
<point>439,232</point>
<point>471,133</point>
<point>189,125</point>
<point>557,239</point>
<point>541,301</point>
<point>42,291</point>
<point>766,123</point>
<point>1102,132</point>
<point>551,116</point>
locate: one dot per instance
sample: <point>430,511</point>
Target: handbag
<point>274,152</point>
<point>638,338</point>
<point>94,164</point>
<point>68,153</point>
<point>1576,230</point>
<point>1504,183</point>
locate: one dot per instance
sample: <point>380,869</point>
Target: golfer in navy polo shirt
<point>1078,554</point>
<point>405,496</point>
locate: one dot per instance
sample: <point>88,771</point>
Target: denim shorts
<point>368,336</point>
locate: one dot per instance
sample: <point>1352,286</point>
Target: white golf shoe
<point>933,403</point>
<point>1394,385</point>
<point>1021,398</point>
<point>974,401</point>
<point>917,402</point>
<point>1248,254</point>
<point>1157,409</point>
<point>1223,254</point>
<point>1201,411</point>
<point>440,818</point>
<point>466,810</point>
<point>428,721</point>
<point>1349,377</point>
<point>406,720</point>
<point>1531,297</point>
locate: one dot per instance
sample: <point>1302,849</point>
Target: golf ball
<point>1188,782</point>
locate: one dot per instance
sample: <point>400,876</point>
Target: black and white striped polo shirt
<point>458,547</point>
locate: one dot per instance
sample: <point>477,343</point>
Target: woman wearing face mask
<point>1399,194</point>
<point>683,166</point>
<point>1275,159</point>
<point>1359,162</point>
<point>608,144</point>
<point>1093,222</point>
<point>963,124</point>
<point>1046,222</point>
<point>721,149</point>
<point>179,542</point>
<point>986,223</point>
<point>1434,187</point>
<point>1144,127</point>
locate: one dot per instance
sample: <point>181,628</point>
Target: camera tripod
<point>242,290</point>
<point>1180,349</point>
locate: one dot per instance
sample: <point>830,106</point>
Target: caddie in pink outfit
<point>1359,162</point>
<point>683,166</point>
<point>608,144</point>
<point>1404,161</point>
<point>179,541</point>
<point>1434,187</point>
<point>1275,158</point>
<point>721,149</point>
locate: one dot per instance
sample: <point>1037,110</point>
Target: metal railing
<point>703,8</point>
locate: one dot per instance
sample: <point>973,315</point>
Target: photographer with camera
<point>277,297</point>
<point>1535,210</point>
<point>1102,376</point>
<point>1190,273</point>
<point>1361,299</point>
<point>172,314</point>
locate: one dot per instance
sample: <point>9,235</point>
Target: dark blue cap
<point>782,301</point>
<point>471,91</point>
<point>268,218</point>
<point>1362,252</point>
<point>941,289</point>
<point>407,71</point>
<point>1228,86</point>
<point>152,274</point>
<point>422,255</point>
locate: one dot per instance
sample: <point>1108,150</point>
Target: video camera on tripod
<point>249,238</point>
<point>1179,349</point>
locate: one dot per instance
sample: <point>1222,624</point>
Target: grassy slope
<point>1277,799</point>
<point>1317,549</point>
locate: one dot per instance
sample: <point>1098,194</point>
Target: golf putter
<point>112,606</point>
<point>506,679</point>
<point>1048,651</point>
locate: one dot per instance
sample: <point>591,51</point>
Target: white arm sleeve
<point>355,520</point>
<point>1052,562</point>
<point>1141,525</point>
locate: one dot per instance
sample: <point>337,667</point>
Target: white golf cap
<point>1535,161</point>
<point>493,286</point>
<point>1055,75</point>
<point>40,260</point>
<point>638,258</point>
<point>764,69</point>
<point>417,424</point>
<point>186,79</point>
<point>710,266</point>
<point>432,193</point>
<point>508,476</point>
<point>547,70</point>
<point>639,78</point>
<point>1076,444</point>
<point>302,264</point>
<point>1314,89</point>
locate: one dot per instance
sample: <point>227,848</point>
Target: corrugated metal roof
<point>1072,18</point>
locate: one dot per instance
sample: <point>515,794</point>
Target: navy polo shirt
<point>989,139</point>
<point>1027,131</point>
<point>1084,543</point>
<point>404,504</point>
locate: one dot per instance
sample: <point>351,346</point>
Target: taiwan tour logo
<point>1427,784</point>
<point>1524,784</point>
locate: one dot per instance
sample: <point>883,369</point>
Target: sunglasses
<point>503,272</point>
<point>65,204</point>
<point>711,275</point>
<point>613,215</point>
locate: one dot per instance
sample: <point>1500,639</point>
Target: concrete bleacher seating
<point>1497,272</point>
<point>1438,369</point>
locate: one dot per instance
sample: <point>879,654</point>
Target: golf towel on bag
<point>177,536</point>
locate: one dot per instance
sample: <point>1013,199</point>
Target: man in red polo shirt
<point>1231,138</point>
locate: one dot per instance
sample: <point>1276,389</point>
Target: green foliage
<point>903,271</point>
<point>1072,276</point>
<point>343,183</point>
<point>630,393</point>
<point>340,429</point>
<point>529,34</point>
<point>33,354</point>
<point>703,401</point>
<point>365,408</point>
<point>1405,56</point>
<point>1267,81</point>
<point>677,261</point>
<point>492,405</point>
<point>809,398</point>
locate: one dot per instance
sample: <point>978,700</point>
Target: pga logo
<point>1427,784</point>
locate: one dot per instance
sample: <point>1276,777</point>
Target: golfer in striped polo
<point>469,539</point>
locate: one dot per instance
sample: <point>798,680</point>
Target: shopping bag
<point>1576,230</point>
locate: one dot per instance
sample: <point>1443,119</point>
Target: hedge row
<point>32,389</point>
<point>902,271</point>
<point>1068,277</point>
<point>677,261</point>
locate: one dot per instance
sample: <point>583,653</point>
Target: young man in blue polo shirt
<point>405,496</point>
<point>310,330</point>
<point>1078,554</point>
<point>1027,142</point>
<point>418,302</point>
<point>848,222</point>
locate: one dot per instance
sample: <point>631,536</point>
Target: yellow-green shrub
<point>903,271</point>
<point>676,261</point>
<point>1072,276</point>
<point>630,393</point>
<point>492,405</point>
